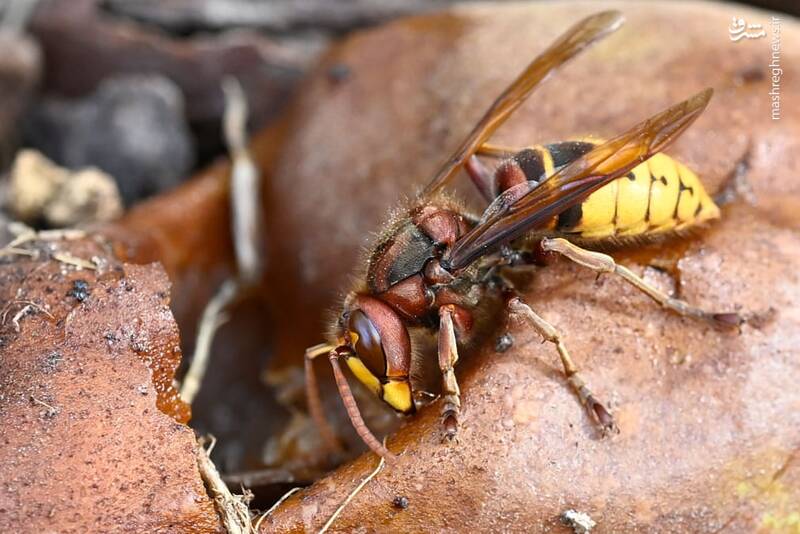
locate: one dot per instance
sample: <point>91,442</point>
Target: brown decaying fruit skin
<point>88,444</point>
<point>708,418</point>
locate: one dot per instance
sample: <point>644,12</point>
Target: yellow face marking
<point>363,374</point>
<point>632,201</point>
<point>663,192</point>
<point>397,394</point>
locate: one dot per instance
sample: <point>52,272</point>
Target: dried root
<point>233,509</point>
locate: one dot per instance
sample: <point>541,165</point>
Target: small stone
<point>80,290</point>
<point>43,192</point>
<point>580,522</point>
<point>400,502</point>
<point>504,342</point>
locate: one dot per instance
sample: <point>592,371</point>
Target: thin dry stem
<point>213,317</point>
<point>246,217</point>
<point>51,410</point>
<point>275,506</point>
<point>8,251</point>
<point>25,234</point>
<point>245,186</point>
<point>29,305</point>
<point>352,494</point>
<point>69,259</point>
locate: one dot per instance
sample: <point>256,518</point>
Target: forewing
<point>529,205</point>
<point>567,46</point>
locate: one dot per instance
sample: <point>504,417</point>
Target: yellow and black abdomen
<point>657,197</point>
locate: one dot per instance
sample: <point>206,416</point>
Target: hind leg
<point>603,263</point>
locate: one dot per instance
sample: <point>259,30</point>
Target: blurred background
<point>133,87</point>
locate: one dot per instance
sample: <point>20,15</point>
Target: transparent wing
<point>529,205</point>
<point>567,46</point>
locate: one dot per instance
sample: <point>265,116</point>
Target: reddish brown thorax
<point>403,268</point>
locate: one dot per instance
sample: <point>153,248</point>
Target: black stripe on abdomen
<point>568,151</point>
<point>570,217</point>
<point>531,163</point>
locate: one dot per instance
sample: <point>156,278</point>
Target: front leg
<point>448,356</point>
<point>313,398</point>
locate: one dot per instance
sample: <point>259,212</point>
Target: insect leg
<point>482,177</point>
<point>448,356</point>
<point>352,408</point>
<point>603,263</point>
<point>595,408</point>
<point>313,398</point>
<point>497,151</point>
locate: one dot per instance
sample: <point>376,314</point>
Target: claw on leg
<point>596,410</point>
<point>450,425</point>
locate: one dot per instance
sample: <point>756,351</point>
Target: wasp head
<point>379,352</point>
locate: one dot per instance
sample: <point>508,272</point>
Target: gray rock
<point>132,127</point>
<point>20,70</point>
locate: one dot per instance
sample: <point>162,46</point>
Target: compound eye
<point>368,345</point>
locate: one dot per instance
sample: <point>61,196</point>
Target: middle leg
<point>448,357</point>
<point>596,410</point>
<point>481,176</point>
